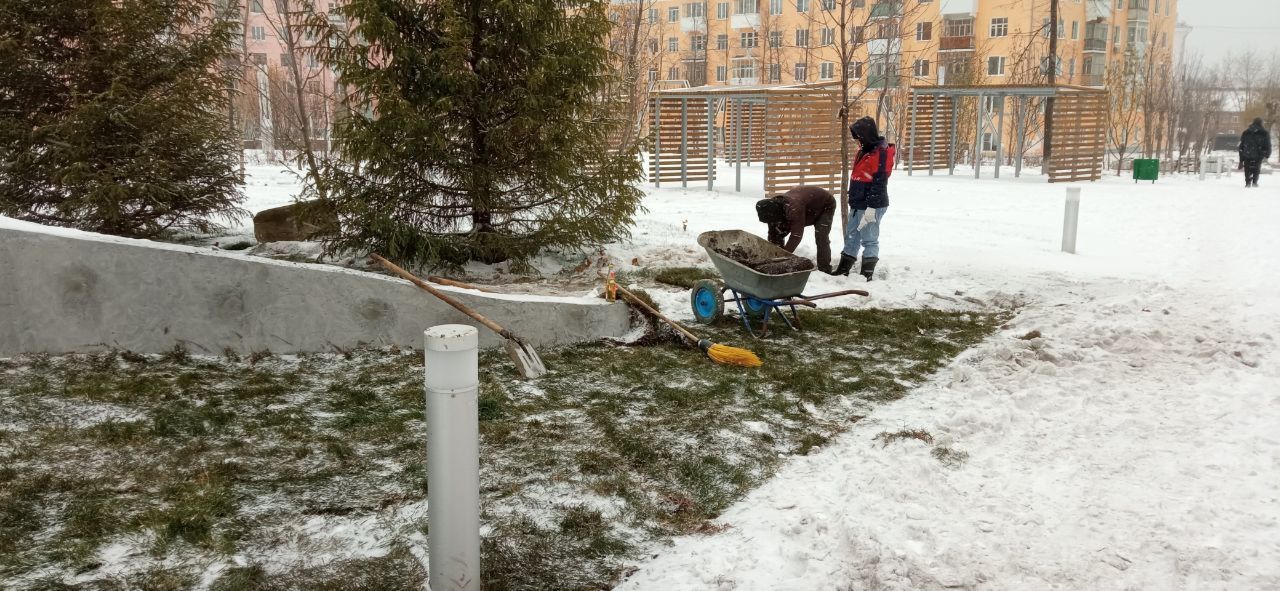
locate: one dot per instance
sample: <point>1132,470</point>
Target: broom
<point>527,361</point>
<point>718,353</point>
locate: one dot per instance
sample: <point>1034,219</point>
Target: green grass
<point>197,458</point>
<point>684,277</point>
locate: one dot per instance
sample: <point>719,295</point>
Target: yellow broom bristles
<point>733,356</point>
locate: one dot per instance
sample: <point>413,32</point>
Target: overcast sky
<point>1222,26</point>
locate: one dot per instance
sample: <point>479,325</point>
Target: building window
<point>258,33</point>
<point>747,7</point>
<point>698,42</point>
<point>653,19</point>
<point>801,71</point>
<point>921,68</point>
<point>775,38</point>
<point>673,14</point>
<point>259,59</point>
<point>1164,38</point>
<point>802,5</point>
<point>653,46</point>
<point>988,142</point>
<point>857,35</point>
<point>775,72</point>
<point>722,73</point>
<point>653,74</point>
<point>854,69</point>
<point>1137,32</point>
<point>747,39</point>
<point>888,30</point>
<point>255,6</point>
<point>828,36</point>
<point>802,37</point>
<point>1075,30</point>
<point>744,70</point>
<point>722,42</point>
<point>693,10</point>
<point>1044,28</point>
<point>827,70</point>
<point>957,27</point>
<point>722,10</point>
<point>673,73</point>
<point>924,31</point>
<point>775,6</point>
<point>1000,27</point>
<point>673,44</point>
<point>995,65</point>
<point>312,62</point>
<point>828,4</point>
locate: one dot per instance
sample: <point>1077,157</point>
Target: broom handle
<point>635,300</point>
<point>461,307</point>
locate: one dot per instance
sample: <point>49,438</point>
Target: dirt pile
<point>770,266</point>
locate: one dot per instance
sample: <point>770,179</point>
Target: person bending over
<point>789,213</point>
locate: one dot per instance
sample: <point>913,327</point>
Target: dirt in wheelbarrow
<point>769,266</point>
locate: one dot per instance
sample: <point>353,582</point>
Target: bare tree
<point>300,83</point>
<point>1125,90</point>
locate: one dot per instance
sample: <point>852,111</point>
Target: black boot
<point>868,267</point>
<point>846,265</point>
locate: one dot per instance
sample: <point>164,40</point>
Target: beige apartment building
<point>894,44</point>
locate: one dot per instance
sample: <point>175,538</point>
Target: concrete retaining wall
<point>64,291</point>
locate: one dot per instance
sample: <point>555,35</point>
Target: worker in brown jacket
<point>788,214</point>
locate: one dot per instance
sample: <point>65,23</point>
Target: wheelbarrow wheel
<point>707,299</point>
<point>755,307</point>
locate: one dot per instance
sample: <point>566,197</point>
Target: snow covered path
<point>1131,447</point>
<point>1134,445</point>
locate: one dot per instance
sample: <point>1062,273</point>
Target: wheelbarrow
<point>757,295</point>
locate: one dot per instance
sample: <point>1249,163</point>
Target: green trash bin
<point>1146,170</point>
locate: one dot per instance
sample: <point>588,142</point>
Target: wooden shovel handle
<point>461,307</point>
<point>637,301</point>
<point>452,283</point>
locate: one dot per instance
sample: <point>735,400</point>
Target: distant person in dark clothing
<point>788,214</point>
<point>868,198</point>
<point>1255,146</point>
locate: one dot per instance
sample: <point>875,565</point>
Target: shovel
<point>526,359</point>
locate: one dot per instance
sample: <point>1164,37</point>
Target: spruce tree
<point>113,115</point>
<point>480,130</point>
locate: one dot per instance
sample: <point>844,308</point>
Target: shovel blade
<point>527,361</point>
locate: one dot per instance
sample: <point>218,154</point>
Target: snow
<point>1132,446</point>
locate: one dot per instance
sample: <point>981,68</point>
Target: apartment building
<point>893,44</point>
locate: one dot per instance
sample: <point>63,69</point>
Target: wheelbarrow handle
<point>836,294</point>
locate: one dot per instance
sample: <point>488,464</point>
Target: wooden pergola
<point>1078,128</point>
<point>794,130</point>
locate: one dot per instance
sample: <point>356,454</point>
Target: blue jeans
<point>867,238</point>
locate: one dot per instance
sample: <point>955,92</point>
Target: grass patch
<point>684,277</point>
<point>885,438</point>
<point>951,458</point>
<point>195,459</point>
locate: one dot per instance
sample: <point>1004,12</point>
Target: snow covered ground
<point>1133,444</point>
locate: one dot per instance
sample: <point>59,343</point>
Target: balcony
<point>959,7</point>
<point>1098,9</point>
<point>1097,80</point>
<point>693,24</point>
<point>745,21</point>
<point>883,46</point>
<point>880,80</point>
<point>1095,45</point>
<point>964,43</point>
<point>886,9</point>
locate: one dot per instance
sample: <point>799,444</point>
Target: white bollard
<point>453,456</point>
<point>1071,220</point>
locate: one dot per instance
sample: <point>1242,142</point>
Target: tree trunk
<point>1047,149</point>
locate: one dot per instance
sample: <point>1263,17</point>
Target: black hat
<point>771,211</point>
<point>864,130</point>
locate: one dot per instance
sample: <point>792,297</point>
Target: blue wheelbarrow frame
<point>755,294</point>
